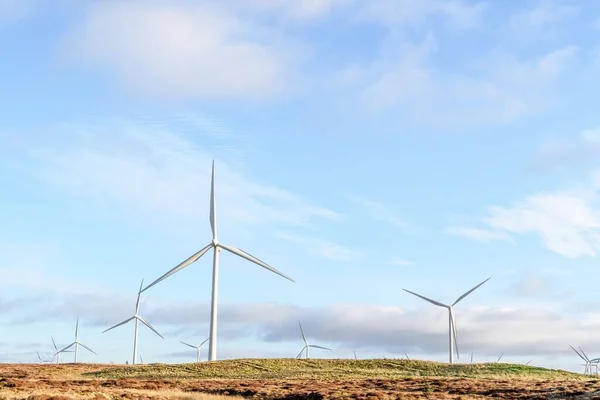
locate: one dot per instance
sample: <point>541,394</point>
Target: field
<point>292,379</point>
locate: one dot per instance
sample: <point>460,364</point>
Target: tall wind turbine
<point>451,323</point>
<point>197,349</point>
<point>137,319</point>
<point>76,343</point>
<point>216,246</point>
<point>307,346</point>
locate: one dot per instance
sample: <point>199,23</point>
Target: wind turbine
<point>216,246</point>
<point>197,349</point>
<point>57,354</point>
<point>588,363</point>
<point>76,343</point>
<point>43,361</point>
<point>306,345</point>
<point>137,319</point>
<point>451,323</point>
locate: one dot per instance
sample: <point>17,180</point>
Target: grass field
<point>327,369</point>
<point>292,379</point>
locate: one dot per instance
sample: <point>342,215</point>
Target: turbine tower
<point>197,349</point>
<point>76,343</point>
<point>216,246</point>
<point>307,346</point>
<point>451,323</point>
<point>137,319</point>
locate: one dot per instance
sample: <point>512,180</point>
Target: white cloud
<point>323,248</point>
<point>567,222</point>
<point>483,235</point>
<point>180,49</point>
<point>141,168</point>
<point>516,331</point>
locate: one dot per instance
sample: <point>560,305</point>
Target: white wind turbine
<point>307,346</point>
<point>58,352</point>
<point>216,246</point>
<point>76,343</point>
<point>42,361</point>
<point>137,319</point>
<point>451,323</point>
<point>197,349</point>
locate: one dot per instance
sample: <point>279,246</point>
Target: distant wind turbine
<point>76,343</point>
<point>137,319</point>
<point>197,349</point>
<point>306,345</point>
<point>216,246</point>
<point>57,354</point>
<point>451,323</point>
<point>43,361</point>
<point>588,363</point>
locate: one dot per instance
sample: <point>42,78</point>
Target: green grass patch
<point>284,368</point>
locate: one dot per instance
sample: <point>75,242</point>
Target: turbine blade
<point>437,303</point>
<point>578,353</point>
<point>585,355</point>
<point>249,257</point>
<point>76,328</point>
<point>87,348</point>
<point>189,345</point>
<point>319,347</point>
<point>119,324</point>
<point>470,291</point>
<point>301,351</point>
<point>302,332</point>
<point>38,354</point>
<point>204,342</point>
<point>54,343</point>
<point>137,302</point>
<point>213,212</point>
<point>63,350</point>
<point>181,266</point>
<point>149,326</point>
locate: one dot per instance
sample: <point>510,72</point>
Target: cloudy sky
<point>361,147</point>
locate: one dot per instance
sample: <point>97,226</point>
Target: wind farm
<point>291,370</point>
<point>299,199</point>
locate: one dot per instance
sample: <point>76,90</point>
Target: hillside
<point>328,369</point>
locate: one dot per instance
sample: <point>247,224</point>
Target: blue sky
<point>360,147</point>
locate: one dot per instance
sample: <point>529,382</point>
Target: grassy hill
<point>328,369</point>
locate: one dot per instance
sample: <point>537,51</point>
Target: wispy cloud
<point>323,248</point>
<point>483,235</point>
<point>380,212</point>
<point>400,262</point>
<point>139,168</point>
<point>566,221</point>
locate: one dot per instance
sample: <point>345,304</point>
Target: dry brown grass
<point>291,380</point>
